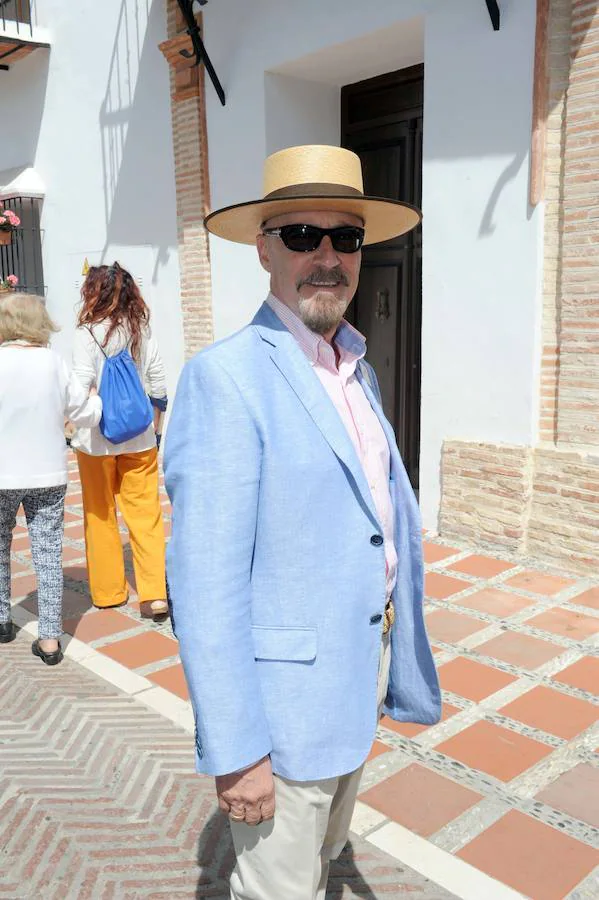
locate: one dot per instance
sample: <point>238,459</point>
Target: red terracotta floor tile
<point>173,680</point>
<point>16,568</point>
<point>74,604</point>
<point>378,748</point>
<point>22,585</point>
<point>539,583</point>
<point>420,799</point>
<point>445,625</point>
<point>435,552</point>
<point>587,598</point>
<point>141,650</point>
<point>77,573</point>
<point>583,674</point>
<point>530,857</point>
<point>567,623</point>
<point>98,624</point>
<point>70,516</point>
<point>20,544</point>
<point>481,566</point>
<point>71,553</point>
<point>553,712</point>
<point>471,679</point>
<point>497,751</point>
<point>495,602</point>
<point>74,499</point>
<point>576,793</point>
<point>442,586</point>
<point>411,729</point>
<point>74,531</point>
<point>520,649</point>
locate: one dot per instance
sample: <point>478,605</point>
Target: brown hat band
<point>312,189</point>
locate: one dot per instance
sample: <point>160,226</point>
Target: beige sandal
<point>157,610</point>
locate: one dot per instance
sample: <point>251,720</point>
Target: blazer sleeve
<point>212,466</point>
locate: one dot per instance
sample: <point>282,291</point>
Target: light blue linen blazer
<point>276,568</point>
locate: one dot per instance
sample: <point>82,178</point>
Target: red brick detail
<point>190,144</point>
<point>576,398</point>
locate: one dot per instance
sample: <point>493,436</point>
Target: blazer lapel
<point>295,368</point>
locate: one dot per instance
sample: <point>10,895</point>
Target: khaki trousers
<point>288,857</point>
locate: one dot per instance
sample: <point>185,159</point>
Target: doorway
<point>381,121</point>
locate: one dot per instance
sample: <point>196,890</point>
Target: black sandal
<point>7,632</point>
<point>52,658</point>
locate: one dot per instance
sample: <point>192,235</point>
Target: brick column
<point>558,70</point>
<point>192,183</point>
<point>578,387</point>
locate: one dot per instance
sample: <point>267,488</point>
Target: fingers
<point>223,805</point>
<point>253,816</point>
<point>268,809</point>
<point>237,813</point>
<point>249,795</point>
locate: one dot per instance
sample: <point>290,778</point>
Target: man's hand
<point>249,795</point>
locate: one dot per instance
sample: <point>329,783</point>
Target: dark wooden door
<point>381,121</point>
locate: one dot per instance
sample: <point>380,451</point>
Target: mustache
<point>322,274</point>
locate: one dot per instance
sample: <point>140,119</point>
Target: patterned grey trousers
<point>44,512</point>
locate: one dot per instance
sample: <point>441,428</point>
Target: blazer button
<point>376,540</point>
<point>374,620</point>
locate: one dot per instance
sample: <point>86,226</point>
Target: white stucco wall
<point>93,116</point>
<point>282,66</point>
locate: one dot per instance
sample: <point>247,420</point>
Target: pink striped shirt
<point>350,401</point>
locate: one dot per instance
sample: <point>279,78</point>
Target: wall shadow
<point>216,861</point>
<point>136,135</point>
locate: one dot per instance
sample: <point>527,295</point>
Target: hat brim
<point>383,219</point>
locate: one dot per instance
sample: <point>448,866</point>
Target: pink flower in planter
<point>14,220</point>
<point>2,220</point>
<point>12,280</point>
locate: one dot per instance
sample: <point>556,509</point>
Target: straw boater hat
<point>315,177</point>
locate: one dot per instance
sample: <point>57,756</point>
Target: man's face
<point>317,286</point>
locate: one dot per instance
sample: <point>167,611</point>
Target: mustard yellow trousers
<point>131,480</point>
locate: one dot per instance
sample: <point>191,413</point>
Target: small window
<point>23,256</point>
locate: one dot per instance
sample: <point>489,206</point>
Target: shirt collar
<point>350,344</point>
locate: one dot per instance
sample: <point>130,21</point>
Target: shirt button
<point>376,540</point>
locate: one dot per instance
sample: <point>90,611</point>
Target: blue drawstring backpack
<point>126,408</point>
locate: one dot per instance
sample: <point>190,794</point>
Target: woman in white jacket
<point>114,317</point>
<point>36,393</point>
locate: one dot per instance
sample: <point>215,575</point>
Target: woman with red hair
<point>114,317</point>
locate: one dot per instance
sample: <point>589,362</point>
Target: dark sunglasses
<point>307,238</point>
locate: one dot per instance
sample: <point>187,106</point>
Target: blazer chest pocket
<point>293,644</point>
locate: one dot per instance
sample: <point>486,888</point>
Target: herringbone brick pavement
<point>98,800</point>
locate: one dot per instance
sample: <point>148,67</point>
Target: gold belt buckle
<point>389,617</point>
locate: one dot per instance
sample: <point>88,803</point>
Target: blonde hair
<point>23,317</point>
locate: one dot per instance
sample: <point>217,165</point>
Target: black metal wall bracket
<point>495,13</point>
<point>199,51</point>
